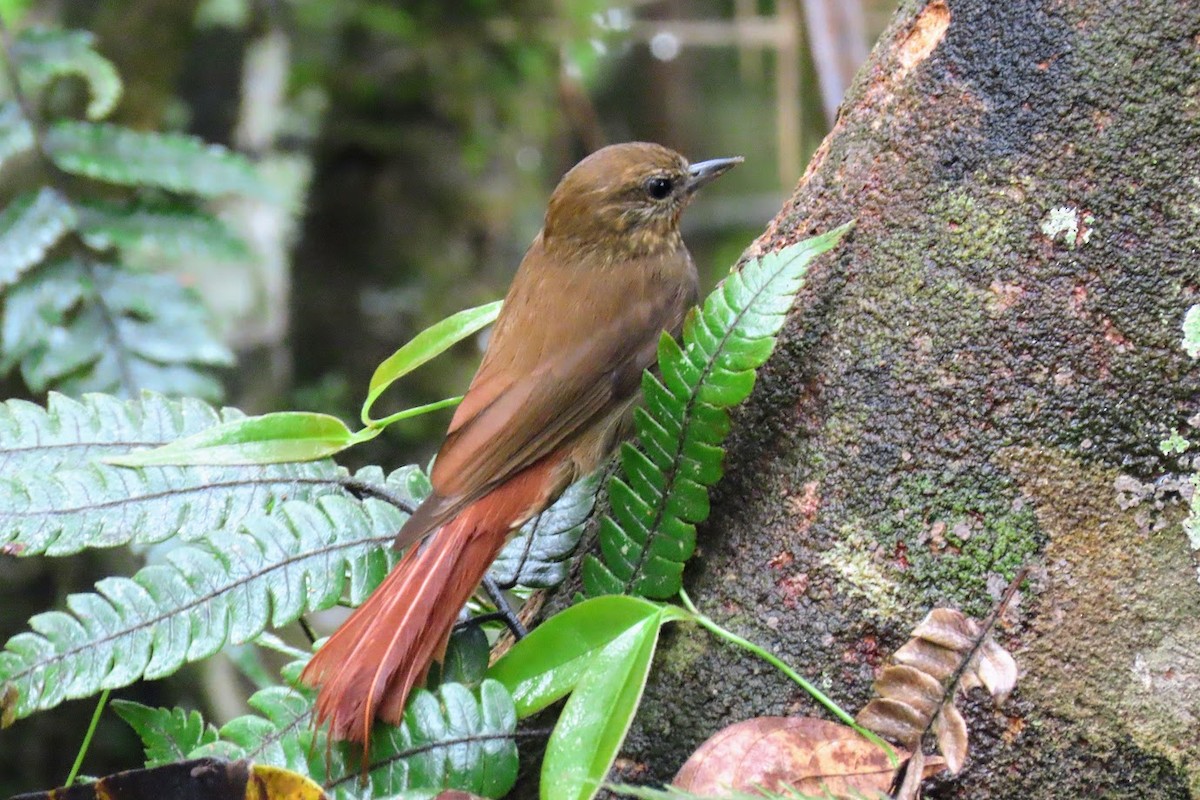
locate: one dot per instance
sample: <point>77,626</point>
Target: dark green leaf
<point>664,486</point>
<point>466,660</point>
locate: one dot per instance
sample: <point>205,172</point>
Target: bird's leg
<point>504,611</point>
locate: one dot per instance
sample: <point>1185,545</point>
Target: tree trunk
<point>979,378</point>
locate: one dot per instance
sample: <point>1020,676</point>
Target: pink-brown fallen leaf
<point>774,753</point>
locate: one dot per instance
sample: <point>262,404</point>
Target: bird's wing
<point>550,375</point>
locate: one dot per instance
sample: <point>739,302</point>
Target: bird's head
<point>627,198</point>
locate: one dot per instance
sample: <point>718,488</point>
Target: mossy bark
<point>979,378</point>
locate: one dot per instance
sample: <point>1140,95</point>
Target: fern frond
<point>92,327</point>
<point>538,555</point>
<point>451,738</point>
<point>42,56</point>
<point>226,588</point>
<point>166,233</point>
<point>662,491</point>
<point>47,507</point>
<point>168,734</point>
<point>29,226</point>
<point>66,433</point>
<point>16,134</point>
<point>172,161</point>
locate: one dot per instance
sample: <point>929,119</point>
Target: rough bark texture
<point>959,393</point>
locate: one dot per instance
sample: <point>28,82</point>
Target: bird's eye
<point>659,188</point>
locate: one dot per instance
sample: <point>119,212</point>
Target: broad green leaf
<point>427,344</point>
<point>171,161</point>
<point>466,659</point>
<point>546,665</point>
<point>29,226</point>
<point>277,438</point>
<point>45,55</point>
<point>593,724</point>
<point>662,489</point>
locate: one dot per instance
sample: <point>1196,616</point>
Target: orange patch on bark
<point>924,37</point>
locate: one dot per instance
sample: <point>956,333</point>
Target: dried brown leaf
<point>913,774</point>
<point>774,753</point>
<point>938,661</point>
<point>208,778</point>
<point>911,686</point>
<point>997,670</point>
<point>917,694</point>
<point>949,628</point>
<point>895,720</point>
<point>951,730</point>
<point>8,705</point>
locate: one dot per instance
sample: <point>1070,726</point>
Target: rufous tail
<point>368,668</point>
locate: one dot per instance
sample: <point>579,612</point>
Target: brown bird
<point>608,273</point>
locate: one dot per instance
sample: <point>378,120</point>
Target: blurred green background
<point>418,142</point>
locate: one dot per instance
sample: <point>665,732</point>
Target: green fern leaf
<point>226,588</point>
<point>538,555</point>
<point>91,327</point>
<point>167,734</point>
<point>67,433</point>
<point>451,738</point>
<point>171,161</point>
<point>662,491</point>
<point>16,134</point>
<point>164,234</point>
<point>53,501</point>
<point>29,226</point>
<point>43,56</point>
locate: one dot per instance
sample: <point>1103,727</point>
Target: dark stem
<point>308,630</point>
<point>363,489</point>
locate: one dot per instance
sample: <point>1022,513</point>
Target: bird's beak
<point>707,171</point>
